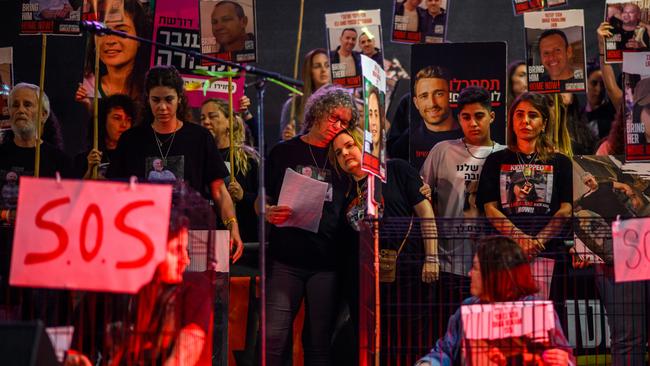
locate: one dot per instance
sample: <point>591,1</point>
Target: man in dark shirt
<point>433,22</point>
<point>17,155</point>
<point>434,123</point>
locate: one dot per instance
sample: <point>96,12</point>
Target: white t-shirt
<point>412,18</point>
<point>453,174</point>
<point>350,68</point>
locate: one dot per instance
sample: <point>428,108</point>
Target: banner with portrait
<point>555,51</point>
<point>524,6</point>
<point>179,26</point>
<point>6,83</point>
<point>61,17</point>
<point>599,179</point>
<point>416,21</point>
<point>228,30</point>
<point>374,121</point>
<point>629,28</point>
<point>439,73</point>
<point>350,35</point>
<point>636,105</point>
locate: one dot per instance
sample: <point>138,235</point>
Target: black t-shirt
<point>297,247</point>
<point>245,208</point>
<point>17,161</point>
<point>191,155</point>
<point>505,180</point>
<point>422,140</point>
<point>604,201</point>
<point>399,194</point>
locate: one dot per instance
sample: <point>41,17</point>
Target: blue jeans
<point>287,286</point>
<point>626,307</point>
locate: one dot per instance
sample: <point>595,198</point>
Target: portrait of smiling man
<point>229,22</point>
<point>556,55</point>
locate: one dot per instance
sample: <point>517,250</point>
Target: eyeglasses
<point>335,118</point>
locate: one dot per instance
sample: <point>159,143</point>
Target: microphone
<point>96,27</point>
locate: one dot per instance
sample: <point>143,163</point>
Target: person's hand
<point>425,190</point>
<point>94,158</point>
<point>277,215</point>
<point>604,31</point>
<point>430,272</point>
<point>244,103</point>
<point>236,191</point>
<point>236,245</point>
<point>577,261</point>
<point>81,96</point>
<point>76,359</point>
<point>289,131</point>
<point>528,244</point>
<point>555,357</point>
<point>633,44</point>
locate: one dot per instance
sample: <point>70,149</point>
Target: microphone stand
<point>260,85</point>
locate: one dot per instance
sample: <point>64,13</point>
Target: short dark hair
<point>348,29</point>
<point>239,10</point>
<point>550,32</point>
<point>105,106</point>
<point>475,94</point>
<point>432,72</point>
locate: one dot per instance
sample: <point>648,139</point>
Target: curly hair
<point>166,76</point>
<point>323,101</point>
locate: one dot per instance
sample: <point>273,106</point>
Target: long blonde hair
<point>241,151</point>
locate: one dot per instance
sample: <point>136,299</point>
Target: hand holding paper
<point>305,197</point>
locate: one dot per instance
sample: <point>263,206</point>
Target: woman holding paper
<point>302,264</point>
<point>500,272</point>
<point>406,293</point>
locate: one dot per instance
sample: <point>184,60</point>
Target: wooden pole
<point>39,125</point>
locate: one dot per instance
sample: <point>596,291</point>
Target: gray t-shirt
<point>453,173</point>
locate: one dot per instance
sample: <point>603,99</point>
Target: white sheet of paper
<point>306,197</point>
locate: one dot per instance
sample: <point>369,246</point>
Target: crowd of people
<point>521,190</point>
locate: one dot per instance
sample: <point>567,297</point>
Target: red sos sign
<point>631,250</point>
<point>89,235</point>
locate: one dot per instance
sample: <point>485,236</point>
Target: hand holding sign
<point>89,235</point>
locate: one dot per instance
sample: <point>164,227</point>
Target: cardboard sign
<point>437,65</point>
<point>629,37</point>
<point>87,235</point>
<point>636,106</point>
<point>533,319</point>
<point>423,23</point>
<point>179,26</point>
<point>52,17</point>
<point>350,35</point>
<point>220,38</point>
<point>555,51</point>
<point>374,131</point>
<point>631,250</point>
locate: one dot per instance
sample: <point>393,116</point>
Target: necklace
<point>159,144</point>
<point>478,157</point>
<point>311,152</point>
<point>527,171</point>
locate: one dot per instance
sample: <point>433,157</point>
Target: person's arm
<point>507,228</point>
<point>555,226</point>
<point>226,210</point>
<point>446,350</point>
<point>609,77</point>
<point>188,347</point>
<point>431,267</point>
